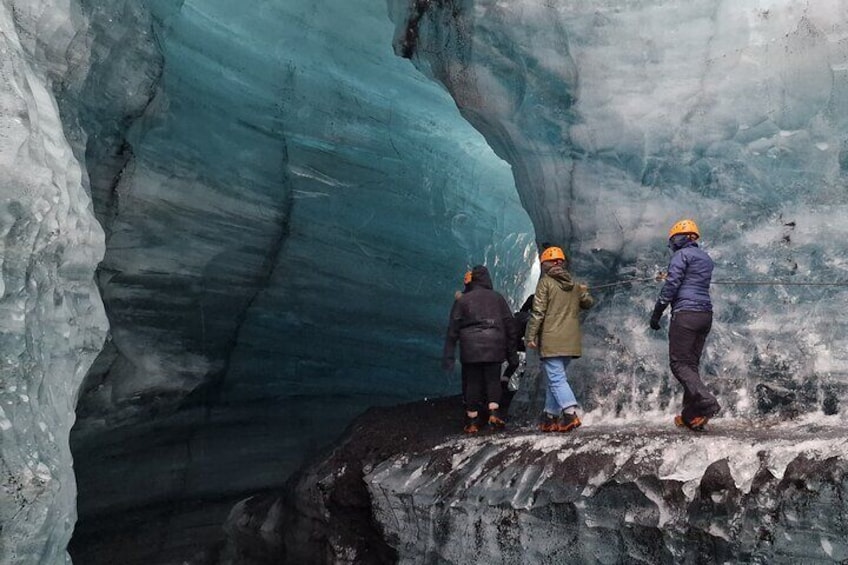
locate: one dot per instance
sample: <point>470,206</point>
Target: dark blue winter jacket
<point>688,284</point>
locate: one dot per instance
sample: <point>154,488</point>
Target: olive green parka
<point>554,321</point>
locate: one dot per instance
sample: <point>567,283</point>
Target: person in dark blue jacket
<point>687,289</point>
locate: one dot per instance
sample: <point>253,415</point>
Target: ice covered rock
<point>638,494</point>
<point>646,492</point>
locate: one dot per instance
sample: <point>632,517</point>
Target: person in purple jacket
<point>687,289</point>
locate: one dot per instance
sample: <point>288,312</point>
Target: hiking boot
<point>696,424</point>
<point>472,426</point>
<point>569,422</point>
<point>496,422</point>
<point>712,410</point>
<point>707,407</point>
<point>549,423</point>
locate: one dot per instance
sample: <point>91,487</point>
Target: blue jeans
<point>559,395</point>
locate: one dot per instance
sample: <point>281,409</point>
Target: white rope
<point>659,277</point>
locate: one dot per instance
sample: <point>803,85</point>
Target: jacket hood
<point>480,278</point>
<point>679,241</point>
<point>561,276</point>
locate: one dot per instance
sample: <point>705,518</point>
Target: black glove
<point>512,365</point>
<point>658,312</point>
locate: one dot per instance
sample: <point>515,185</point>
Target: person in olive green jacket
<point>554,328</point>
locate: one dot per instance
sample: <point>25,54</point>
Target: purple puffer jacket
<point>687,287</point>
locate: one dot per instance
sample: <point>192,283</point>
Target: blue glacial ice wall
<point>249,183</point>
<point>619,118</point>
<point>288,210</point>
<point>288,205</point>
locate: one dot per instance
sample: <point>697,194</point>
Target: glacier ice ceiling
<point>276,202</point>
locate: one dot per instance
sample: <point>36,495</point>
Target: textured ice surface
<point>610,494</point>
<point>51,318</point>
<point>621,117</point>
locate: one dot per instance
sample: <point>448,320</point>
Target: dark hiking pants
<point>686,337</point>
<point>481,384</point>
<point>506,399</point>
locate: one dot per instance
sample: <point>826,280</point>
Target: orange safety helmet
<point>687,227</point>
<point>552,254</point>
<point>467,278</point>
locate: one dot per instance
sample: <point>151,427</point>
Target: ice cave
<point>232,233</point>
